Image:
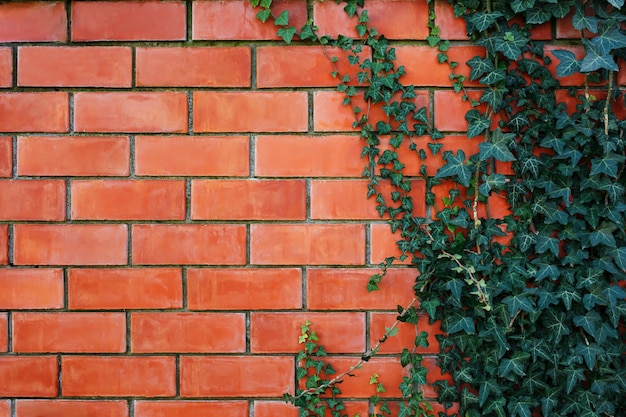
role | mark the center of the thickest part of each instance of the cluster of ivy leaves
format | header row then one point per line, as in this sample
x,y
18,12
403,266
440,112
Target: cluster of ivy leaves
x,y
532,304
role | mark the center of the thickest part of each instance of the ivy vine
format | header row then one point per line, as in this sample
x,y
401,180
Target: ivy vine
x,y
532,304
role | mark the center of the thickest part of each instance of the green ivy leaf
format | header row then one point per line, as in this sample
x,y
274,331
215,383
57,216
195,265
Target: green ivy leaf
x,y
520,6
264,14
595,59
499,151
538,15
430,307
516,365
568,65
582,21
455,165
459,323
519,408
574,376
617,3
609,38
589,353
477,123
479,66
545,243
481,21
287,33
496,407
603,236
607,165
587,321
283,19
493,77
518,302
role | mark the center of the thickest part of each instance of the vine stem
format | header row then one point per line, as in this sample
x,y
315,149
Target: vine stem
x,y
366,357
607,102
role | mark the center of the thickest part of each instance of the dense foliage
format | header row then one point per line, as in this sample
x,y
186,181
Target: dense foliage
x,y
532,303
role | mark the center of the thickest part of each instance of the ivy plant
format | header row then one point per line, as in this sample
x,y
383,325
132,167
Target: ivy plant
x,y
532,303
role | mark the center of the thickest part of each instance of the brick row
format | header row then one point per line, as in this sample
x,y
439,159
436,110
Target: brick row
x,y
191,244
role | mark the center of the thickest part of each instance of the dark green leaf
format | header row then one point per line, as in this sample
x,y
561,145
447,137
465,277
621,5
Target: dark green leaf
x,y
283,19
518,302
589,353
568,65
287,33
595,59
477,123
455,165
516,364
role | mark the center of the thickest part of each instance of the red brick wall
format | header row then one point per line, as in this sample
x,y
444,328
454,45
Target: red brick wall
x,y
179,193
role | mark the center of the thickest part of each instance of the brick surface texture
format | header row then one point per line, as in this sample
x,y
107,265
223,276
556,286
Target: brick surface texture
x,y
179,192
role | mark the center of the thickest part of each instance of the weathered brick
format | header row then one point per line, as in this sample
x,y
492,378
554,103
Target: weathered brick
x,y
307,244
46,66
118,376
34,112
73,156
128,199
124,288
192,156
248,200
69,332
128,21
195,67
33,22
244,289
218,111
130,112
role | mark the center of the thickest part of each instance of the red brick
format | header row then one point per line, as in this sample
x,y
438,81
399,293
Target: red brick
x,y
70,244
46,66
396,19
331,115
308,156
405,339
70,408
4,333
244,289
34,112
279,332
125,288
450,27
275,409
248,200
383,244
130,112
214,244
73,156
236,19
5,408
180,408
349,289
236,376
217,111
31,289
4,244
438,75
302,66
307,244
33,22
341,199
28,376
6,66
450,110
188,332
192,156
6,156
32,200
128,21
128,200
577,78
69,332
118,376
196,67
389,372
